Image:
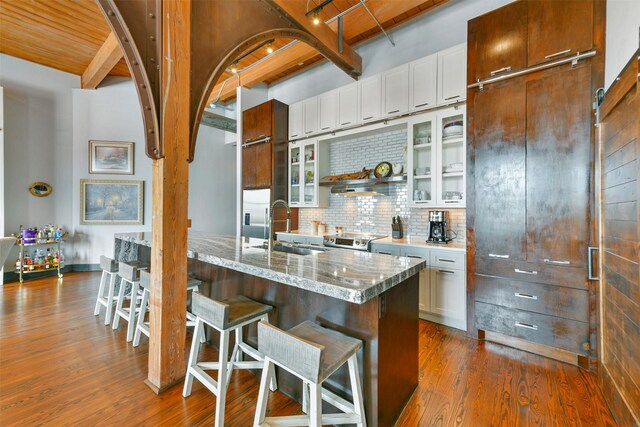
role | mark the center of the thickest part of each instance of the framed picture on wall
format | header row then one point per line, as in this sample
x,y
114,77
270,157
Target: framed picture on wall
x,y
111,202
111,157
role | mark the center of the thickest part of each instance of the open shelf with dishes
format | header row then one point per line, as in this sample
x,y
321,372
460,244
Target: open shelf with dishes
x,y
436,158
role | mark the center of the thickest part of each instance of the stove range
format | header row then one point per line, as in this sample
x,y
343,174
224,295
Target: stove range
x,y
355,241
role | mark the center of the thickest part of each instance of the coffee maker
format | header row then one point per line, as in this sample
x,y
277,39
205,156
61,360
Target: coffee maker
x,y
437,227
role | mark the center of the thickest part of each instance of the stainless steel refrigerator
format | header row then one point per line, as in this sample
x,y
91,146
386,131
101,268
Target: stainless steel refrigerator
x,y
255,213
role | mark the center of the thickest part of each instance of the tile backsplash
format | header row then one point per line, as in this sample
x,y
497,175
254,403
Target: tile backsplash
x,y
374,214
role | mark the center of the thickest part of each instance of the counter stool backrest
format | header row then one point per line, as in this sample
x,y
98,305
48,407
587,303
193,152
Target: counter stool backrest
x,y
145,280
129,271
109,265
213,312
301,356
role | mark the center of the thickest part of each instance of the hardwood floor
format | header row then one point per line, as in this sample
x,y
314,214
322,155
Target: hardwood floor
x,y
60,365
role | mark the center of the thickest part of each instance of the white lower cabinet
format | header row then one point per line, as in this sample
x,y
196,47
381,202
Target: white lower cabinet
x,y
443,294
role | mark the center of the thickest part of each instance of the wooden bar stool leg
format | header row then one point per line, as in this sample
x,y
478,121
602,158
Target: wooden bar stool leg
x,y
116,320
111,290
315,400
96,310
193,357
222,378
141,315
133,305
356,390
263,394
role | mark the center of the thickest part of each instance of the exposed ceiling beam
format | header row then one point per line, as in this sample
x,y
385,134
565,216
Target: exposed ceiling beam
x,y
355,23
107,57
347,59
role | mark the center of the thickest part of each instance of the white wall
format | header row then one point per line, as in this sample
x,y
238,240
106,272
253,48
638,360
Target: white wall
x,y
212,183
38,144
110,113
623,24
444,27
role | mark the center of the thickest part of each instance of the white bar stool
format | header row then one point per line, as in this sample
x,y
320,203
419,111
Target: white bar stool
x,y
129,272
142,326
109,268
225,316
312,353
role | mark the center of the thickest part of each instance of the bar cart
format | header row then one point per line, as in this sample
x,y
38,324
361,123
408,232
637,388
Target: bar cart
x,y
26,265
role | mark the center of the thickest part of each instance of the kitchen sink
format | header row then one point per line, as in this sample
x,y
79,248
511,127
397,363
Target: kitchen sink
x,y
294,249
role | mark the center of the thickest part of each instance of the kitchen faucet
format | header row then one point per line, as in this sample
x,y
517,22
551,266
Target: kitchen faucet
x,y
271,220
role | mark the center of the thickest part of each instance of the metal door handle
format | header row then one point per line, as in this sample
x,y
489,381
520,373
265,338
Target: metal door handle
x,y
421,105
345,123
590,250
445,271
526,325
445,260
498,256
325,128
392,112
367,118
527,296
452,97
309,132
384,253
550,261
414,256
500,70
562,52
517,270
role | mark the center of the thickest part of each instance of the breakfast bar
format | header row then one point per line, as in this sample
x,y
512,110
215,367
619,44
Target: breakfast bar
x,y
367,296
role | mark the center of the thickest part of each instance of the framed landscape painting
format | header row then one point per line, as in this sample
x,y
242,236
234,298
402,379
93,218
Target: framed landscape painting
x,y
110,157
111,202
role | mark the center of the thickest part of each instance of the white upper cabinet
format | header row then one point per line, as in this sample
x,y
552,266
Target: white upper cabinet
x,y
310,115
452,74
423,81
328,106
396,91
296,123
348,104
370,98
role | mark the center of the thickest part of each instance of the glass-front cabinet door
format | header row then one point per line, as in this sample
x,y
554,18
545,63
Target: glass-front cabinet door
x,y
452,165
309,171
422,159
294,174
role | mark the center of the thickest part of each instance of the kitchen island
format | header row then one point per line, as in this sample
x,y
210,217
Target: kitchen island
x,y
367,296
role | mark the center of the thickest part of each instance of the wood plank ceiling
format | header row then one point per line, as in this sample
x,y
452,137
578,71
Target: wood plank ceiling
x,y
68,34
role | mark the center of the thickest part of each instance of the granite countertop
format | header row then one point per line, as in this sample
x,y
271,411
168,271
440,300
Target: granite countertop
x,y
352,276
456,245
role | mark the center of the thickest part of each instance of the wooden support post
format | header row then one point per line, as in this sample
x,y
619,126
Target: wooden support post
x,y
170,197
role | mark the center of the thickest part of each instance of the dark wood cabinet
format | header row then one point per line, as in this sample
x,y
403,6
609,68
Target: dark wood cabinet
x,y
500,158
500,41
559,167
263,164
557,29
530,176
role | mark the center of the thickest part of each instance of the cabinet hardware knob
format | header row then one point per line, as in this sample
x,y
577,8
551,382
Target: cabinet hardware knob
x,y
527,326
562,52
517,270
550,261
498,256
500,70
527,296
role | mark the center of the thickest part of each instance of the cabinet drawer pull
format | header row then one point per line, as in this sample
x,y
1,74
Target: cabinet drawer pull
x,y
367,118
414,256
499,70
392,112
445,260
345,123
422,105
384,253
557,54
452,97
519,295
517,270
325,128
527,326
307,133
550,261
293,136
445,271
498,256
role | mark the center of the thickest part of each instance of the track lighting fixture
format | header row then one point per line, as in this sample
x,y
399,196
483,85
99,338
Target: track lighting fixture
x,y
315,12
315,19
269,48
234,68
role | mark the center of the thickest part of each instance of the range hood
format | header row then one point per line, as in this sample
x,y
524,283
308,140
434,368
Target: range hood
x,y
361,190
